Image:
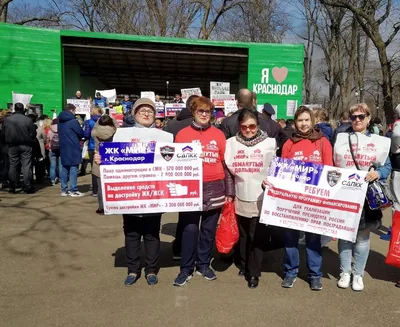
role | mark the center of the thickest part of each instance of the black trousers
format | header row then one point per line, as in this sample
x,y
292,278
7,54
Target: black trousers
x,y
4,163
95,186
148,227
177,243
252,245
20,154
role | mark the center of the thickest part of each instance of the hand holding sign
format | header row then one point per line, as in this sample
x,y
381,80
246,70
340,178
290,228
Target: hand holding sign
x,y
177,189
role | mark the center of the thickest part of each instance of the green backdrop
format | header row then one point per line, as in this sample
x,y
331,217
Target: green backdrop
x,y
31,62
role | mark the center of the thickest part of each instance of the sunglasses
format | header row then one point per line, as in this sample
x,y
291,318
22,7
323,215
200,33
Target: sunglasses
x,y
360,117
202,112
251,127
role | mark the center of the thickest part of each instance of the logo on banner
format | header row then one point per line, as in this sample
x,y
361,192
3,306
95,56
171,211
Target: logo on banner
x,y
353,181
333,177
257,154
212,145
187,149
370,147
167,152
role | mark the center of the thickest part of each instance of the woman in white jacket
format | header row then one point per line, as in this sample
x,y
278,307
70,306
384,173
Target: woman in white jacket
x,y
247,156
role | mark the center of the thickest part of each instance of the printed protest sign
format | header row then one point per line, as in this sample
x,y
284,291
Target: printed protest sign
x,y
151,177
172,108
314,198
219,99
149,95
186,93
111,95
219,88
160,110
82,106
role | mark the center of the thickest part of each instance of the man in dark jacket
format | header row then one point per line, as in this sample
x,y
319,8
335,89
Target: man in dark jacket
x,y
70,134
289,128
184,118
19,134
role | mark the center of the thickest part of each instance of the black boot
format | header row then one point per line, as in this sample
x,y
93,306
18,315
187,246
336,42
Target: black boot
x,y
252,282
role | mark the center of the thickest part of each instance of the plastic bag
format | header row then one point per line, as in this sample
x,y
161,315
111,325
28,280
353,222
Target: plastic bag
x,y
227,231
393,256
85,152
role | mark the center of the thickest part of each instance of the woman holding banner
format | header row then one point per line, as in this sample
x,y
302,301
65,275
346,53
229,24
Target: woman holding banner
x,y
307,144
247,156
359,148
214,193
146,225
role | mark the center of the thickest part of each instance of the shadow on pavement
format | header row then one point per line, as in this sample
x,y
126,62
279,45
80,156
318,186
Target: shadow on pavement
x,y
48,234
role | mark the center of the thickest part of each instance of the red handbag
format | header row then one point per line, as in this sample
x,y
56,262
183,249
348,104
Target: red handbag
x,y
393,256
227,231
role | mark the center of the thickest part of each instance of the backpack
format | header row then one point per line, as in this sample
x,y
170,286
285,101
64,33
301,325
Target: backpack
x,y
54,142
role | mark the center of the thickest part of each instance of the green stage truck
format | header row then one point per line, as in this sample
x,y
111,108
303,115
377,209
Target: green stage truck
x,y
52,64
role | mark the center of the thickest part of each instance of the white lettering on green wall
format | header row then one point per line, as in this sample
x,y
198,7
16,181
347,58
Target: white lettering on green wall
x,y
280,89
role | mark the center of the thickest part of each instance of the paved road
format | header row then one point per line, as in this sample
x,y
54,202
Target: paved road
x,y
62,265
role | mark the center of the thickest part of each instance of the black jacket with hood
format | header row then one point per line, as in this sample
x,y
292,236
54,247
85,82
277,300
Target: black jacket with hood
x,y
184,119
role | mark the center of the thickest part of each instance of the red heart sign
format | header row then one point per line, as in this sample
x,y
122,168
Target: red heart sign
x,y
279,74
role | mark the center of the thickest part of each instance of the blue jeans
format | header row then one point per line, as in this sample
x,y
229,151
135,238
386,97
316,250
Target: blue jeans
x,y
55,160
313,251
359,249
72,173
192,241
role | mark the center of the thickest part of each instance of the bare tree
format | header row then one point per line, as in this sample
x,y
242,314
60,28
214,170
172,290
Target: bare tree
x,y
22,13
366,12
255,21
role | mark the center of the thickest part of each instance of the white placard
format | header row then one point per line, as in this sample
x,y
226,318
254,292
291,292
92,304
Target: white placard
x,y
186,93
291,106
21,98
136,134
230,106
111,95
149,95
219,88
83,107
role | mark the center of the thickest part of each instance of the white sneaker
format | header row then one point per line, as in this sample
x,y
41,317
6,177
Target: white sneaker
x,y
344,281
76,194
358,284
65,193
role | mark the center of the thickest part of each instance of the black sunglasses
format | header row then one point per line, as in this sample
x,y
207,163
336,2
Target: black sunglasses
x,y
360,117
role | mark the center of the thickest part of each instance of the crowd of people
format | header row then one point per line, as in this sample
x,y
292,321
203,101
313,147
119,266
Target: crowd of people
x,y
309,137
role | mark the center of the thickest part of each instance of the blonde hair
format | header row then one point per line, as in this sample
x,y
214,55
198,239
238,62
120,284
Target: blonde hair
x,y
96,111
47,123
363,107
321,115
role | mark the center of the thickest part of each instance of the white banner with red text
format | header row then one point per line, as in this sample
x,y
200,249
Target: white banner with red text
x,y
139,178
314,198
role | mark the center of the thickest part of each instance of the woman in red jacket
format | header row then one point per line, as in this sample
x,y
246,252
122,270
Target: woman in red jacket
x,y
307,144
214,193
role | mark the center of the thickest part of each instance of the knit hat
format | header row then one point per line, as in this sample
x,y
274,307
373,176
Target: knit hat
x,y
143,101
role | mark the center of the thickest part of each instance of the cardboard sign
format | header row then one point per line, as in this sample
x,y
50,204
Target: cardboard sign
x,y
230,106
219,99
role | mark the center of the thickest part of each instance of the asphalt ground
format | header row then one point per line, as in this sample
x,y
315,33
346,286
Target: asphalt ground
x,y
61,264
